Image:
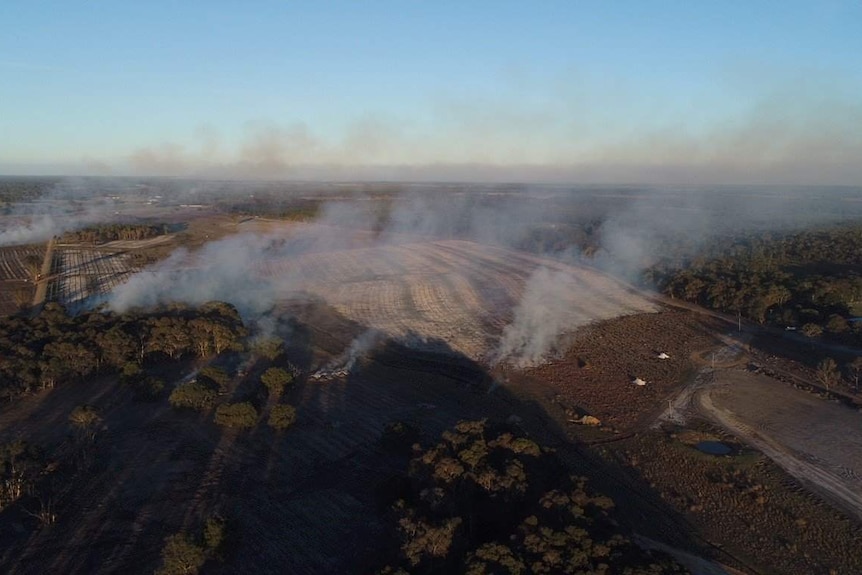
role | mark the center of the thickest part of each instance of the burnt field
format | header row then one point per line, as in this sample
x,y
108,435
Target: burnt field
x,y
18,268
80,273
458,292
305,500
389,325
313,498
596,374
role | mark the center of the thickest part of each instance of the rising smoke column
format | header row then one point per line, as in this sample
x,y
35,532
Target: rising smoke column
x,y
542,316
223,270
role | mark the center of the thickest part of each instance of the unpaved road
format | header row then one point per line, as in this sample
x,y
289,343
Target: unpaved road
x,y
818,442
42,284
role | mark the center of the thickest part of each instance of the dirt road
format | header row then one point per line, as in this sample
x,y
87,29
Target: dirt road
x,y
816,441
42,283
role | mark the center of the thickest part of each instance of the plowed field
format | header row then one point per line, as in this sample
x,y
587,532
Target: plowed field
x,y
458,292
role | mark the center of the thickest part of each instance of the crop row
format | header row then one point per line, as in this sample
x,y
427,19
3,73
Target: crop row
x,y
459,292
20,262
82,274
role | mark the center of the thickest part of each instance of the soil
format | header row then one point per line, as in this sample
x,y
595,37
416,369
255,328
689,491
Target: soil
x,y
596,374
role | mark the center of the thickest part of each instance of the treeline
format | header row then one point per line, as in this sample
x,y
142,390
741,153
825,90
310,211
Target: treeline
x,y
273,207
13,190
808,279
55,347
485,500
112,232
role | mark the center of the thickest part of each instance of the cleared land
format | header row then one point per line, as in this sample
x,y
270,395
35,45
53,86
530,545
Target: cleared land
x,y
14,262
84,273
18,266
817,441
455,292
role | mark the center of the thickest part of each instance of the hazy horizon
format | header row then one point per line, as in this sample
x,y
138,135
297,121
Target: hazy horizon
x,y
494,92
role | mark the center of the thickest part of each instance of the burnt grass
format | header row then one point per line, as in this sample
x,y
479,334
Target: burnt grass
x,y
315,498
743,501
312,498
595,374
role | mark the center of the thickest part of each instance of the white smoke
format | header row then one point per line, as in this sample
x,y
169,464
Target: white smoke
x,y
542,316
631,230
68,205
29,230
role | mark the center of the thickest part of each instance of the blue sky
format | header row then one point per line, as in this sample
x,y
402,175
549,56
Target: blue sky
x,y
759,91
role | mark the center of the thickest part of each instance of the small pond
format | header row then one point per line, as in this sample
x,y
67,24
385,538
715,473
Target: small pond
x,y
713,447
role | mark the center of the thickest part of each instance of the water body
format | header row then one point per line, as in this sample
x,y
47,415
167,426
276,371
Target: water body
x,y
713,448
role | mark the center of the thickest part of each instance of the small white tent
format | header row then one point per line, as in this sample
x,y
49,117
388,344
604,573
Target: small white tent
x,y
639,381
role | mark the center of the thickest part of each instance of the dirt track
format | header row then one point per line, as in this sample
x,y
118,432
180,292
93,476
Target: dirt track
x,y
42,285
817,441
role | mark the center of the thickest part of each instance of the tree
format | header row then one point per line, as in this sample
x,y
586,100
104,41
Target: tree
x,y
270,347
282,416
240,415
214,533
837,324
275,378
85,419
193,395
216,376
181,556
827,372
812,330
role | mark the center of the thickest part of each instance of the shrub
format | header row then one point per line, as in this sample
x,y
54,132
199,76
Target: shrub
x,y
181,556
275,378
214,533
215,375
242,415
193,395
84,417
282,416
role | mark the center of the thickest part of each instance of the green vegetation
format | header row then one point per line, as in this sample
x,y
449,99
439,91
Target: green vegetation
x,y
282,416
240,415
485,501
55,347
275,379
181,556
111,232
215,377
85,420
274,206
185,554
195,395
270,348
811,279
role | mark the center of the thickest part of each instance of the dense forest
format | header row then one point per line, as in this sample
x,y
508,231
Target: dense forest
x,y
293,209
55,348
19,189
111,232
811,280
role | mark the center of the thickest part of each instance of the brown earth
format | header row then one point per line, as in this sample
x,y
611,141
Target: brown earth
x,y
596,373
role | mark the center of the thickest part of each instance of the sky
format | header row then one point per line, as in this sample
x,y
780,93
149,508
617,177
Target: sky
x,y
694,92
